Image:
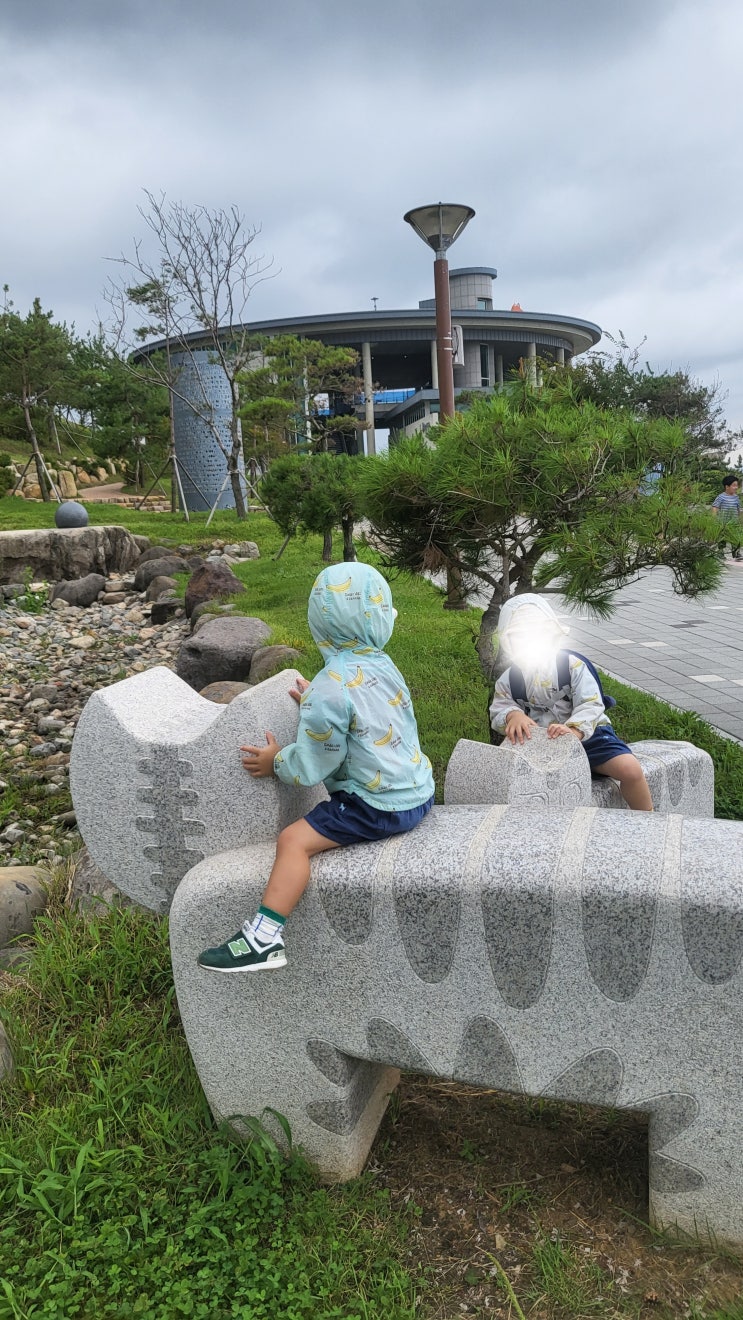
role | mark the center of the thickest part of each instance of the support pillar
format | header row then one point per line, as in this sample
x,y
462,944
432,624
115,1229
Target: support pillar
x,y
561,357
531,362
499,370
434,366
366,361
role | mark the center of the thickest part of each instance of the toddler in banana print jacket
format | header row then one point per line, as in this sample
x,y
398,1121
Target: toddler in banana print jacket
x,y
357,734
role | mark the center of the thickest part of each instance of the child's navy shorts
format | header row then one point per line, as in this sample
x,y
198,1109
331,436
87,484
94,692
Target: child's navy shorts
x,y
347,819
603,745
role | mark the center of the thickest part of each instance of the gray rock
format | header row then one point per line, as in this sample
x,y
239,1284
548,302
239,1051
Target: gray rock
x,y
159,586
22,897
56,554
210,608
209,583
158,568
243,550
268,660
222,650
223,693
158,552
91,889
82,591
165,608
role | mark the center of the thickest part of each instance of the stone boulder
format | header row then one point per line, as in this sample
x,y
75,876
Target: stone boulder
x,y
209,583
222,651
242,550
165,608
158,568
158,552
82,591
67,487
56,554
159,586
91,889
210,609
223,693
269,660
22,897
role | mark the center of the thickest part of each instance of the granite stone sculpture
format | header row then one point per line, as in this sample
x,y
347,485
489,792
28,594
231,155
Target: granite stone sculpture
x,y
579,952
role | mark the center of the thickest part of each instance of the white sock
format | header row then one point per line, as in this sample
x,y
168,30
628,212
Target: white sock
x,y
264,930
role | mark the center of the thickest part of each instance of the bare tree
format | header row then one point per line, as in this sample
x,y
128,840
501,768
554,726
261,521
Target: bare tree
x,y
198,288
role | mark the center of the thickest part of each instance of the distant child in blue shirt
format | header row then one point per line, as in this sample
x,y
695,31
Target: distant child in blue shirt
x,y
727,508
530,634
357,734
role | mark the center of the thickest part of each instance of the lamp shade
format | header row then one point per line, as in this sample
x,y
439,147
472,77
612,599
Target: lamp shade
x,y
439,225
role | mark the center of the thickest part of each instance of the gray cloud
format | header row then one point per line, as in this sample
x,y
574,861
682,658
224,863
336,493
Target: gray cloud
x,y
597,144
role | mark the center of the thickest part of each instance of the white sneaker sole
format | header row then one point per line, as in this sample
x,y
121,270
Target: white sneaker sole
x,y
274,966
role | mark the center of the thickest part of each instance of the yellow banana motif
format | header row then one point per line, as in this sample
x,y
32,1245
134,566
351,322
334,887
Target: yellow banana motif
x,y
377,600
395,701
382,742
319,737
358,680
352,725
342,586
338,678
363,650
327,644
376,781
348,646
304,697
416,759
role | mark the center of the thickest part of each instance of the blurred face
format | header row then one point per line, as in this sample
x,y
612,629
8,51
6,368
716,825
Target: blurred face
x,y
732,489
532,641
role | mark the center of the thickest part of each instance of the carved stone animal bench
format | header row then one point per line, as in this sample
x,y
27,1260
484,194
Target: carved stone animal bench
x,y
588,954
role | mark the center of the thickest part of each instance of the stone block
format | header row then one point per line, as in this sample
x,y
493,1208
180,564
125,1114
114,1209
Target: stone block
x,y
54,554
545,772
82,591
154,568
594,956
157,780
209,583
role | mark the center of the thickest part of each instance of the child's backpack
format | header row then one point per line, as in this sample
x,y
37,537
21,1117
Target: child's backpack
x,y
518,686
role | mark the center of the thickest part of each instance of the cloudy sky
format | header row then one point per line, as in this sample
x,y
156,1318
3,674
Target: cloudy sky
x,y
600,145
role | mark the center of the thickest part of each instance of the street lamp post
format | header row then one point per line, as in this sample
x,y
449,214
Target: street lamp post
x,y
439,226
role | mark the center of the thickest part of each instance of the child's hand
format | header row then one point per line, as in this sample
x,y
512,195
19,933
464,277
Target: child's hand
x,y
557,730
259,760
301,687
518,726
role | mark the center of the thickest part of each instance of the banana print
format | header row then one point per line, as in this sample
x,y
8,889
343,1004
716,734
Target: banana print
x,y
358,680
375,782
417,758
338,677
319,737
342,586
377,600
386,738
395,701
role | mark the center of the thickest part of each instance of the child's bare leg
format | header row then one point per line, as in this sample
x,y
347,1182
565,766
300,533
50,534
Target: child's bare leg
x,y
632,783
295,846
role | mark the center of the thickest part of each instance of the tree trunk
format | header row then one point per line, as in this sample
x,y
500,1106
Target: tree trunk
x,y
327,547
349,551
283,546
486,652
38,460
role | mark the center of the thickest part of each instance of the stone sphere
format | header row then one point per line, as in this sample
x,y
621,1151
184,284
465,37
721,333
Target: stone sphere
x,y
71,514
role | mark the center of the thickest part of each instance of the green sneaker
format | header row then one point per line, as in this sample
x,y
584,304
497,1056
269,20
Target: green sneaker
x,y
238,956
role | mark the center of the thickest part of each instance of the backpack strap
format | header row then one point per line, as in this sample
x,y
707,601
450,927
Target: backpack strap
x,y
564,656
517,684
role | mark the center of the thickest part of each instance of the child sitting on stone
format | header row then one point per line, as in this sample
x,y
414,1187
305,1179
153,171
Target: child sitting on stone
x,y
529,635
357,734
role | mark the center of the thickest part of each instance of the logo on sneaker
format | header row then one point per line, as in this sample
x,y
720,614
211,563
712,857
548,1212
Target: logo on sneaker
x,y
238,948
271,957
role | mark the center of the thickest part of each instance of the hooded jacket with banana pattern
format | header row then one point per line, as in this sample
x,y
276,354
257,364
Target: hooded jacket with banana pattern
x,y
357,731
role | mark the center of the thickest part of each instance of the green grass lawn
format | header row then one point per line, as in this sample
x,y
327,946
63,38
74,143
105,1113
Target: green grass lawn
x,y
118,1196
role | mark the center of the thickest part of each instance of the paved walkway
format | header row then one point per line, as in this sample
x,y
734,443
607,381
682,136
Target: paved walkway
x,y
688,653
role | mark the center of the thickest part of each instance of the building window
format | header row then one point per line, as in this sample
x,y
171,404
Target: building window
x,y
485,304
484,365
